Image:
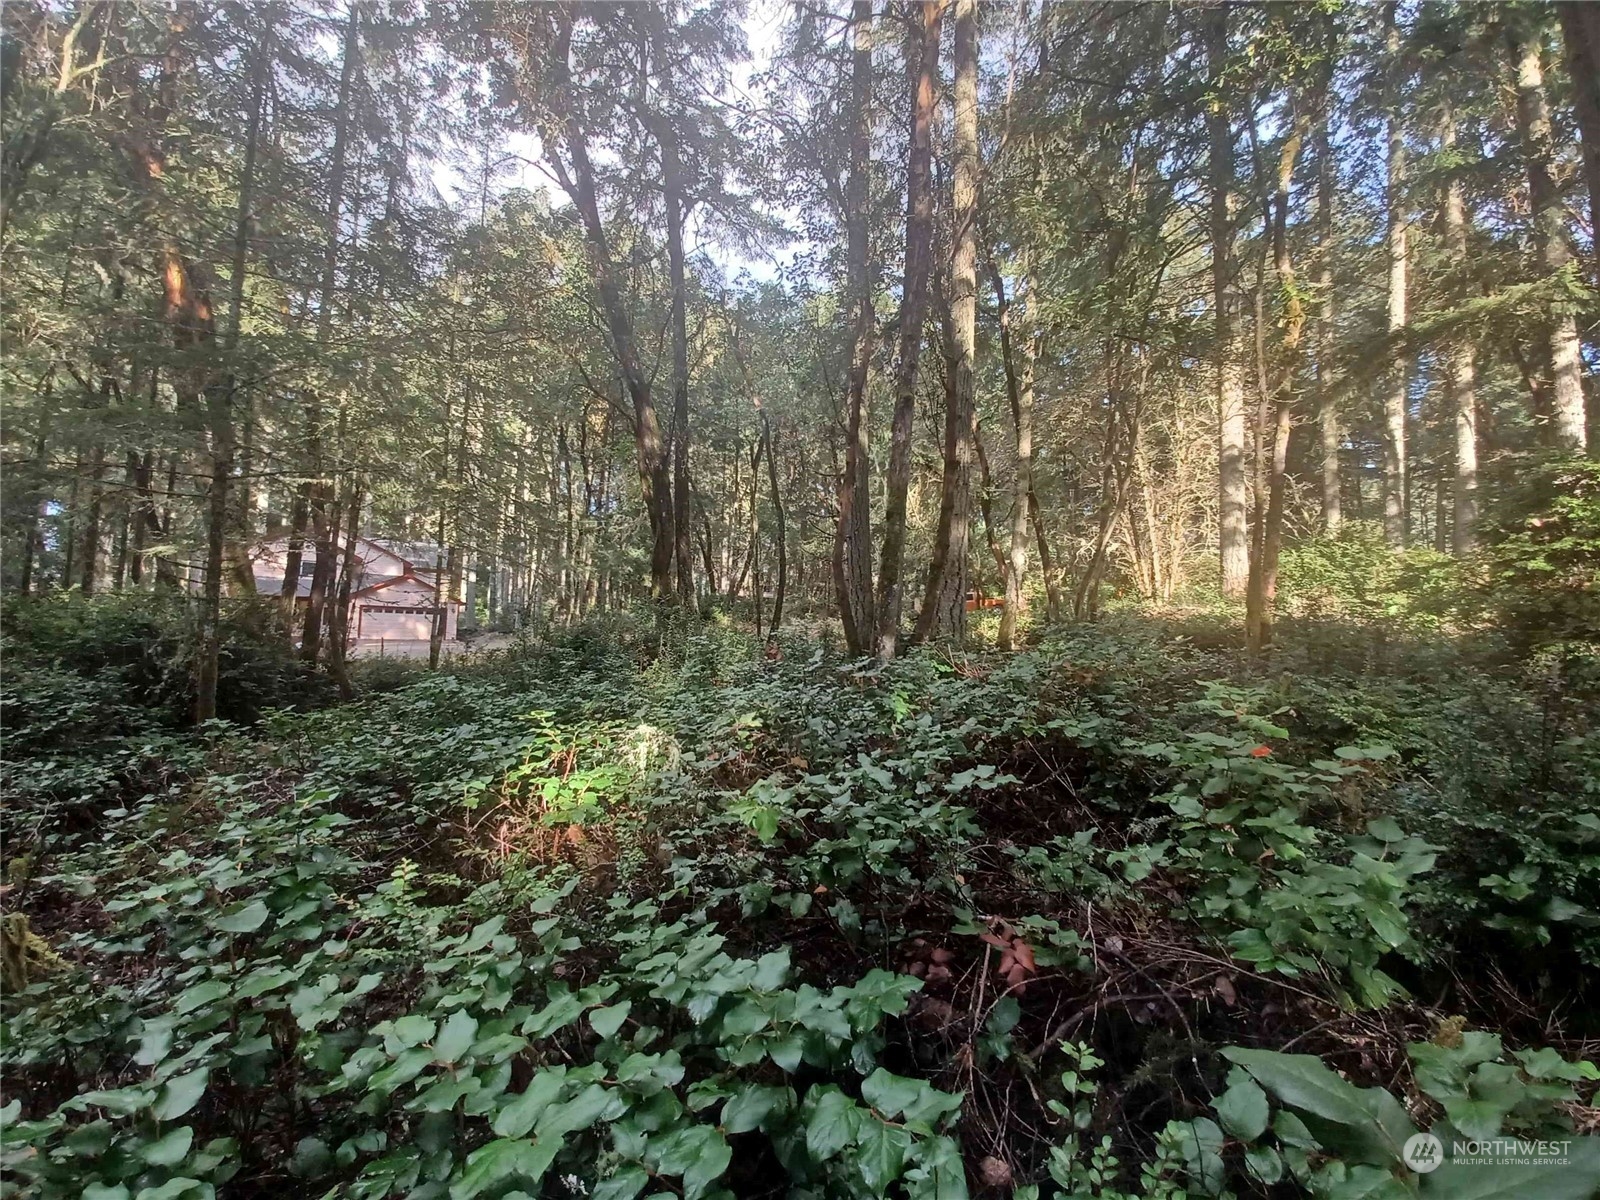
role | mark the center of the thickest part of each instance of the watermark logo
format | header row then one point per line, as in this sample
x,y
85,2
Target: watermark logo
x,y
1423,1152
1507,1151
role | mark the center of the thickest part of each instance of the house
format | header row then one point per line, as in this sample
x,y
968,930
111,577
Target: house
x,y
393,595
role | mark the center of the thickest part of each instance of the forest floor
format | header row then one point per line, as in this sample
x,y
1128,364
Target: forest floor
x,y
1128,913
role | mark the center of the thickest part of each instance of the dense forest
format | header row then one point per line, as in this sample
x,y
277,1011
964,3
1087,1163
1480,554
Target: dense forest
x,y
806,598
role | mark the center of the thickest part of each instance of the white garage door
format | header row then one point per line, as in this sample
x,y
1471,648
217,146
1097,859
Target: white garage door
x,y
397,623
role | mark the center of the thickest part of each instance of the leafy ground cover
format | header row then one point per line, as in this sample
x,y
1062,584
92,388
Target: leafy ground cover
x,y
1126,914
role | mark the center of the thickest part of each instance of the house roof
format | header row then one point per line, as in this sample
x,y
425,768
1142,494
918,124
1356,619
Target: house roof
x,y
406,578
418,556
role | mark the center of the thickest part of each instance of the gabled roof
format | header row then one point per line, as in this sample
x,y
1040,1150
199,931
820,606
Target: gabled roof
x,y
408,577
367,549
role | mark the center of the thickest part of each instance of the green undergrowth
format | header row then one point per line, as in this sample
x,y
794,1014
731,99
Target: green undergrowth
x,y
1122,915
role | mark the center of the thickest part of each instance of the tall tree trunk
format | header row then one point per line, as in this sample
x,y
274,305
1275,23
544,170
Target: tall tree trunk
x,y
323,501
137,472
1460,389
1085,597
1580,31
985,491
672,185
1568,428
219,399
237,513
90,561
781,533
651,449
852,544
441,609
325,511
1159,588
1327,401
35,502
913,306
1047,566
339,626
944,610
294,557
706,557
756,452
1396,398
208,657
1264,575
191,319
1233,535
1019,389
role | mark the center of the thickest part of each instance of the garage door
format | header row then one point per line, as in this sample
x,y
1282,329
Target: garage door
x,y
397,623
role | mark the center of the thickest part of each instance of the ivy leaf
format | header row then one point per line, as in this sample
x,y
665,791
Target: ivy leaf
x,y
119,1102
606,1021
155,1041
413,1030
1385,830
404,1069
917,1100
890,1094
941,1175
1302,1081
499,1160
456,1038
558,1014
1264,1163
516,1118
200,994
1388,923
787,1052
178,1096
1200,1142
881,1154
833,1124
170,1149
1478,1118
698,1153
772,970
1363,1125
173,1189
583,1110
1242,1109
747,1108
1362,1182
247,919
624,1185
745,1018
259,983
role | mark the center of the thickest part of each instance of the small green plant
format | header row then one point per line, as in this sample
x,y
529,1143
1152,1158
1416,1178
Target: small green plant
x,y
1338,1140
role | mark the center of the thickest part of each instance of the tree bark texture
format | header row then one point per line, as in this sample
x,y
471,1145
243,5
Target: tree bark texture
x,y
1396,397
944,612
1568,428
852,547
913,308
1233,534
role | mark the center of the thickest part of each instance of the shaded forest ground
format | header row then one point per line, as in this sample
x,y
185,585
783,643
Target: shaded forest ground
x,y
525,923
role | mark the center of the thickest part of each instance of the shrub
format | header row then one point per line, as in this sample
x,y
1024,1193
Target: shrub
x,y
139,646
1355,573
1542,553
375,676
